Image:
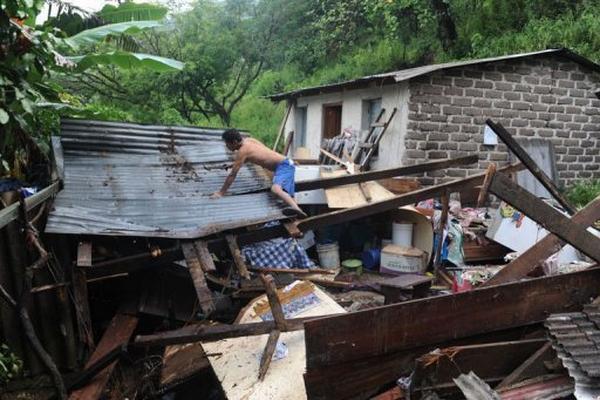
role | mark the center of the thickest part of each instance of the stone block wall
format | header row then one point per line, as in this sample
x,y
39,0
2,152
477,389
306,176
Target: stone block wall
x,y
540,97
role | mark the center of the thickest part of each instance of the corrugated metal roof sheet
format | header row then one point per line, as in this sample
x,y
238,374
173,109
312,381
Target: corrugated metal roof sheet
x,y
406,74
576,339
126,179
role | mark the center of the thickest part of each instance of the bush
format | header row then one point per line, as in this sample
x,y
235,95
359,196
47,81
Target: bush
x,y
10,365
583,192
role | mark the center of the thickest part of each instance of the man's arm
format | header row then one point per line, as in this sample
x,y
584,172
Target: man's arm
x,y
239,161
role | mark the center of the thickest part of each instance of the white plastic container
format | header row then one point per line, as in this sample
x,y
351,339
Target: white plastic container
x,y
329,255
402,233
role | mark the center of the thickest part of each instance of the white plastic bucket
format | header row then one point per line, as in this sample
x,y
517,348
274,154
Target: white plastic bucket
x,y
402,233
329,255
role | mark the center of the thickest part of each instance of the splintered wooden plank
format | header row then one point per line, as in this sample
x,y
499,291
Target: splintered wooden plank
x,y
389,329
545,215
206,260
234,249
550,244
265,359
522,155
118,333
202,290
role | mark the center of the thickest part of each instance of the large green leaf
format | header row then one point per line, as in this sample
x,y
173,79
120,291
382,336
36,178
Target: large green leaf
x,y
95,35
127,60
131,11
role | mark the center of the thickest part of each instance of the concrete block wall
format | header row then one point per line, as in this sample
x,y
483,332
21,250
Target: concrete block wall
x,y
544,97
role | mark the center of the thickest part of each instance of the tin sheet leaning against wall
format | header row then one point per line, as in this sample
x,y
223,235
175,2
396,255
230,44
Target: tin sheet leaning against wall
x,y
126,179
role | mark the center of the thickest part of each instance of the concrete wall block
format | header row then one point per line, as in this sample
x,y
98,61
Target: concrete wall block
x,y
539,107
527,114
453,91
502,104
562,134
449,128
581,118
470,129
437,136
521,105
439,118
492,76
512,96
460,137
473,92
545,133
428,126
428,145
575,151
578,135
582,102
413,153
451,110
497,156
563,83
526,132
483,103
493,94
461,101
463,82
437,155
556,109
519,123
479,84
504,86
449,146
564,117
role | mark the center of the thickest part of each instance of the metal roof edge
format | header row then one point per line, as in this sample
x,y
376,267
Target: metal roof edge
x,y
405,74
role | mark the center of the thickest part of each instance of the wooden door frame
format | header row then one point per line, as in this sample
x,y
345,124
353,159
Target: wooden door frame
x,y
323,107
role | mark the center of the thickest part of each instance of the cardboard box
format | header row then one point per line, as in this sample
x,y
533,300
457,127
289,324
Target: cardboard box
x,y
399,260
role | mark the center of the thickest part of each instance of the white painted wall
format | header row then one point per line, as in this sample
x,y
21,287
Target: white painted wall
x,y
391,148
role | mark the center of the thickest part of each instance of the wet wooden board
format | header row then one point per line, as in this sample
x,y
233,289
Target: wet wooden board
x,y
118,332
394,328
237,368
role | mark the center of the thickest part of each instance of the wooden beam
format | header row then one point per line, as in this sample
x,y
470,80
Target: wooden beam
x,y
297,271
10,213
267,355
336,217
274,303
545,215
325,183
483,192
206,260
532,363
234,249
445,200
197,333
536,171
288,143
195,267
388,329
282,125
118,333
550,244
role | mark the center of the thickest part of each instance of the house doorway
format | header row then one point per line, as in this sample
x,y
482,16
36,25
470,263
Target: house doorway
x,y
332,120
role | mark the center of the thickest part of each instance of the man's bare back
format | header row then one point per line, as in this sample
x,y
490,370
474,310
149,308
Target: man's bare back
x,y
257,153
251,150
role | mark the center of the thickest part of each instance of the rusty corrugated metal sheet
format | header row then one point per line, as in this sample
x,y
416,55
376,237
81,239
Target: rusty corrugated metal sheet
x,y
126,179
409,73
576,339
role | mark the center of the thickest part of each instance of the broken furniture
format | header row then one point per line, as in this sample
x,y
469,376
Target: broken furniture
x,y
393,288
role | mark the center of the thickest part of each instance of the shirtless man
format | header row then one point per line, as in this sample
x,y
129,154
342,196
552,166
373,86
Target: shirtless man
x,y
253,151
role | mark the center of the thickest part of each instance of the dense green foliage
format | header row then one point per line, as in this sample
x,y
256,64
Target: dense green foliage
x,y
31,64
583,192
238,51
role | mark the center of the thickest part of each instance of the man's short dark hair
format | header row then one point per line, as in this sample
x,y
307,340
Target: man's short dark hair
x,y
232,136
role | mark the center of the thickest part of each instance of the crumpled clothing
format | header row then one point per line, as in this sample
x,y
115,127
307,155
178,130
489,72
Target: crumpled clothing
x,y
277,253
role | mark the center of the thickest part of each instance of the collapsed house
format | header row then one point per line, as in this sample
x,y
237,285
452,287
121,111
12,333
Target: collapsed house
x,y
136,269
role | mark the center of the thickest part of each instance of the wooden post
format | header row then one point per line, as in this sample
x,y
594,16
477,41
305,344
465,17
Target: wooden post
x,y
530,164
288,143
237,256
202,291
282,126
